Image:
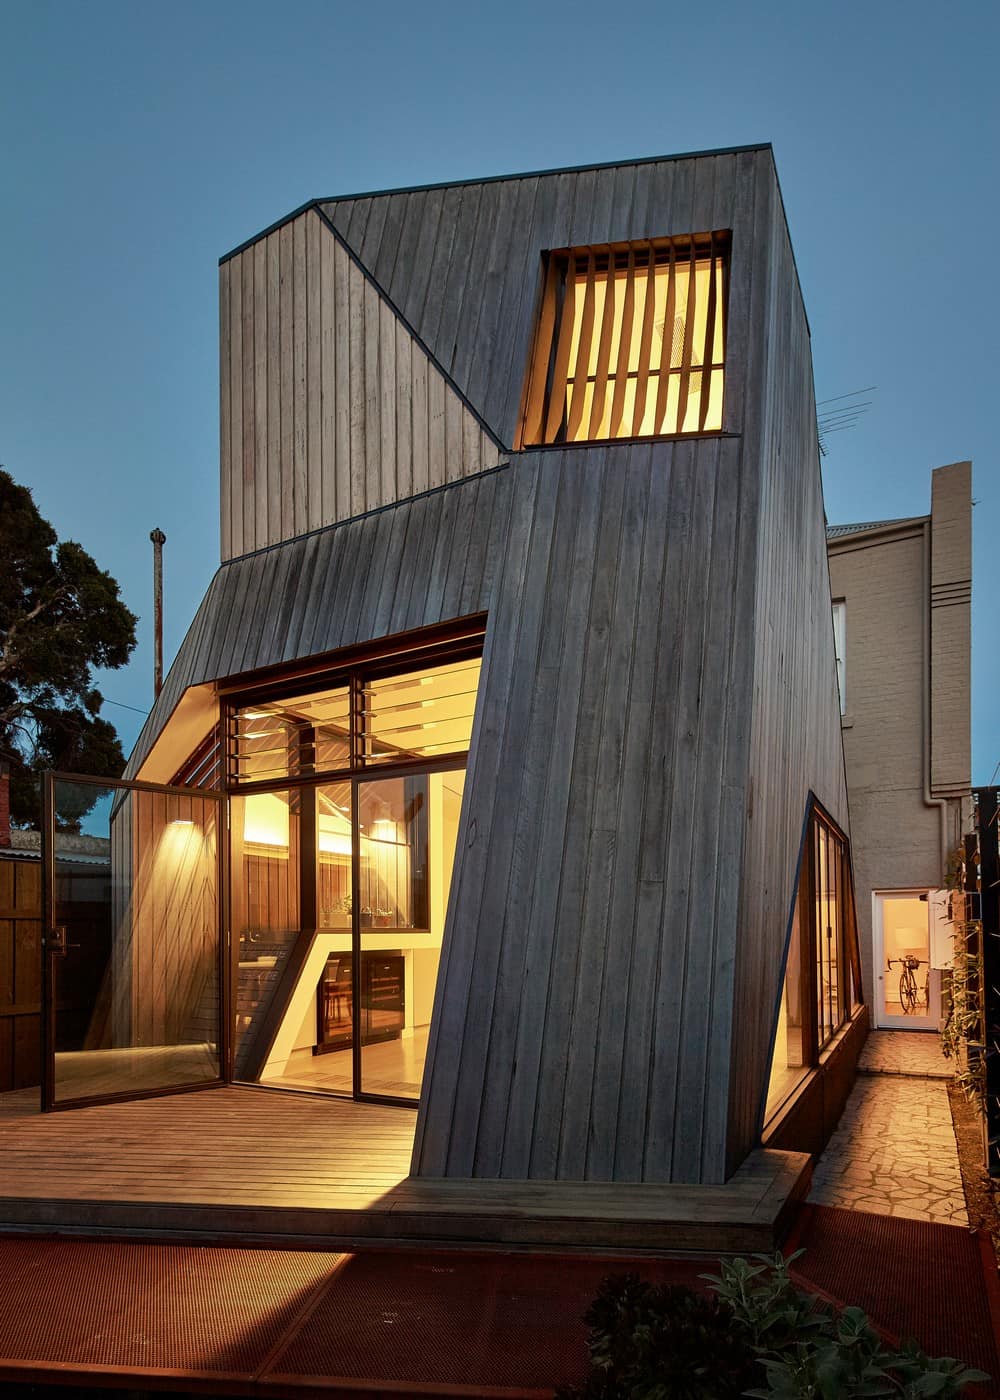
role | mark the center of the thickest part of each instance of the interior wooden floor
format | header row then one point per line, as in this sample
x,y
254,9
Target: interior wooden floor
x,y
251,1164
393,1068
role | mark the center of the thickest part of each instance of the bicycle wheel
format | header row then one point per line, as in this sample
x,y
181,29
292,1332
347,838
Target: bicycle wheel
x,y
908,993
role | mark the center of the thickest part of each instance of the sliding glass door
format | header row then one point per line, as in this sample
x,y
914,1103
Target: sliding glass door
x,y
340,878
407,829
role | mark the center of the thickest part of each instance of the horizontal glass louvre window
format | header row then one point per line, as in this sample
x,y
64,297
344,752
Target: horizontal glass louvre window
x,y
287,737
630,342
424,713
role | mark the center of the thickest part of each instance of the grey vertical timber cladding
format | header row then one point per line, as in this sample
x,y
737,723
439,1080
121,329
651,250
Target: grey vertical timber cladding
x,y
392,571
658,694
609,641
795,740
462,264
329,407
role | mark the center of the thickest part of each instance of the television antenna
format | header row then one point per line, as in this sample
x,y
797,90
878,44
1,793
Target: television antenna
x,y
849,408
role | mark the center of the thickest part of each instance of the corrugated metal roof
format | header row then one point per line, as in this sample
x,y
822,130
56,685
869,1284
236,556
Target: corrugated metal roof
x,y
836,532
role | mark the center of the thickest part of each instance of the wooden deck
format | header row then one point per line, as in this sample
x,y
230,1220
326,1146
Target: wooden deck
x,y
245,1164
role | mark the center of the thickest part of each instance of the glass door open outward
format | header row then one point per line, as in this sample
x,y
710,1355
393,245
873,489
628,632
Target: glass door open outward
x,y
132,977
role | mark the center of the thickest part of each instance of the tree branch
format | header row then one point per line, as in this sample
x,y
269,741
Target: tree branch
x,y
8,654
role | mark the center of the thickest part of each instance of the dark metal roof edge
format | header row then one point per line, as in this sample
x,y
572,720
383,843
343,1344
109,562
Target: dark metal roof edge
x,y
490,180
271,228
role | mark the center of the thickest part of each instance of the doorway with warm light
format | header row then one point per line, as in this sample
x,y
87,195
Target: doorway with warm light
x,y
344,802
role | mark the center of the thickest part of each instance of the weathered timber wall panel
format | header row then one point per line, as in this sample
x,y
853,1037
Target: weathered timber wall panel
x,y
795,741
582,952
20,972
329,408
427,560
463,264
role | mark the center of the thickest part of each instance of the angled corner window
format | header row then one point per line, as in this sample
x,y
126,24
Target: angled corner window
x,y
840,646
822,982
630,342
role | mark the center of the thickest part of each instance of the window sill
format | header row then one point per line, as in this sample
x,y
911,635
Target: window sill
x,y
624,441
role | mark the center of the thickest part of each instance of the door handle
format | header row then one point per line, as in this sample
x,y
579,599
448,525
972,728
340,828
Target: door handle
x,y
56,941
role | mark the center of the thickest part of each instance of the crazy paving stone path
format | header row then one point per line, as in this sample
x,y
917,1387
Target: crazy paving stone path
x,y
893,1152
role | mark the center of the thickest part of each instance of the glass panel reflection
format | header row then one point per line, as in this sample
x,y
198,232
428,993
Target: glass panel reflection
x,y
266,859
421,714
408,828
790,1059
294,735
136,891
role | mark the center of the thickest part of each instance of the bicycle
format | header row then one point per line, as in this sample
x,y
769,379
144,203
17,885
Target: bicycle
x,y
908,990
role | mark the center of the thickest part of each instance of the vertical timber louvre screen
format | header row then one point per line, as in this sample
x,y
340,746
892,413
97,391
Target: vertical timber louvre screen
x,y
630,342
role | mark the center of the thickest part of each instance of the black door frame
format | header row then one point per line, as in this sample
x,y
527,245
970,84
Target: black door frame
x,y
309,865
52,944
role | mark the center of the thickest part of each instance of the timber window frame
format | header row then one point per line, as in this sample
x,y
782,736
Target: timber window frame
x,y
840,649
366,700
821,973
350,689
597,371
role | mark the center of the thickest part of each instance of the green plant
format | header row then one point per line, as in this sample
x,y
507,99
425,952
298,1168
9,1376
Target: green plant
x,y
808,1351
61,619
963,1027
756,1334
650,1342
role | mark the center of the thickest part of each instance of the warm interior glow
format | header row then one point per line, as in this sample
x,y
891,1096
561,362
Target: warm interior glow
x,y
265,820
905,933
382,872
630,342
665,353
421,713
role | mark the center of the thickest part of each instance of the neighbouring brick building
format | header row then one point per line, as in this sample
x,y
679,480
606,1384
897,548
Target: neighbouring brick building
x,y
902,611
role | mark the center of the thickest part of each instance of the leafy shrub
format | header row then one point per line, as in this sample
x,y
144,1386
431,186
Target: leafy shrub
x,y
648,1342
756,1335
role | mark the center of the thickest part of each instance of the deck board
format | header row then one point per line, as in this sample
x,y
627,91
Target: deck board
x,y
247,1163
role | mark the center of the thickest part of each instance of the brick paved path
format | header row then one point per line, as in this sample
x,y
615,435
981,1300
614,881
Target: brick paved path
x,y
893,1152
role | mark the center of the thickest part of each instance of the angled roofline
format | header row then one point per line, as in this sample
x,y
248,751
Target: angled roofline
x,y
490,180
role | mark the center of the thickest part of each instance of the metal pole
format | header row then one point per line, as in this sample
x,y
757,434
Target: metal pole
x,y
159,540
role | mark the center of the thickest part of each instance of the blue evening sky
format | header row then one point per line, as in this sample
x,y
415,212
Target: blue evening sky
x,y
140,142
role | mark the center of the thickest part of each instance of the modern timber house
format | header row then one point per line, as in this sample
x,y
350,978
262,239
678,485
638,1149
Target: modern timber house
x,y
502,762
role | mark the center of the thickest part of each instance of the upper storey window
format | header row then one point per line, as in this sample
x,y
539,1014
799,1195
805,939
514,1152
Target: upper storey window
x,y
630,342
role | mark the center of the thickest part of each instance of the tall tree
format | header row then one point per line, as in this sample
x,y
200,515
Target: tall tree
x,y
60,616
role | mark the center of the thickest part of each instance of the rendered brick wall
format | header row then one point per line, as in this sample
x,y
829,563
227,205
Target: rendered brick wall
x,y
881,574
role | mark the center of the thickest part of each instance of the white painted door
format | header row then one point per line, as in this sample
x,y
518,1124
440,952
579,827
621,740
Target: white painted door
x,y
907,991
